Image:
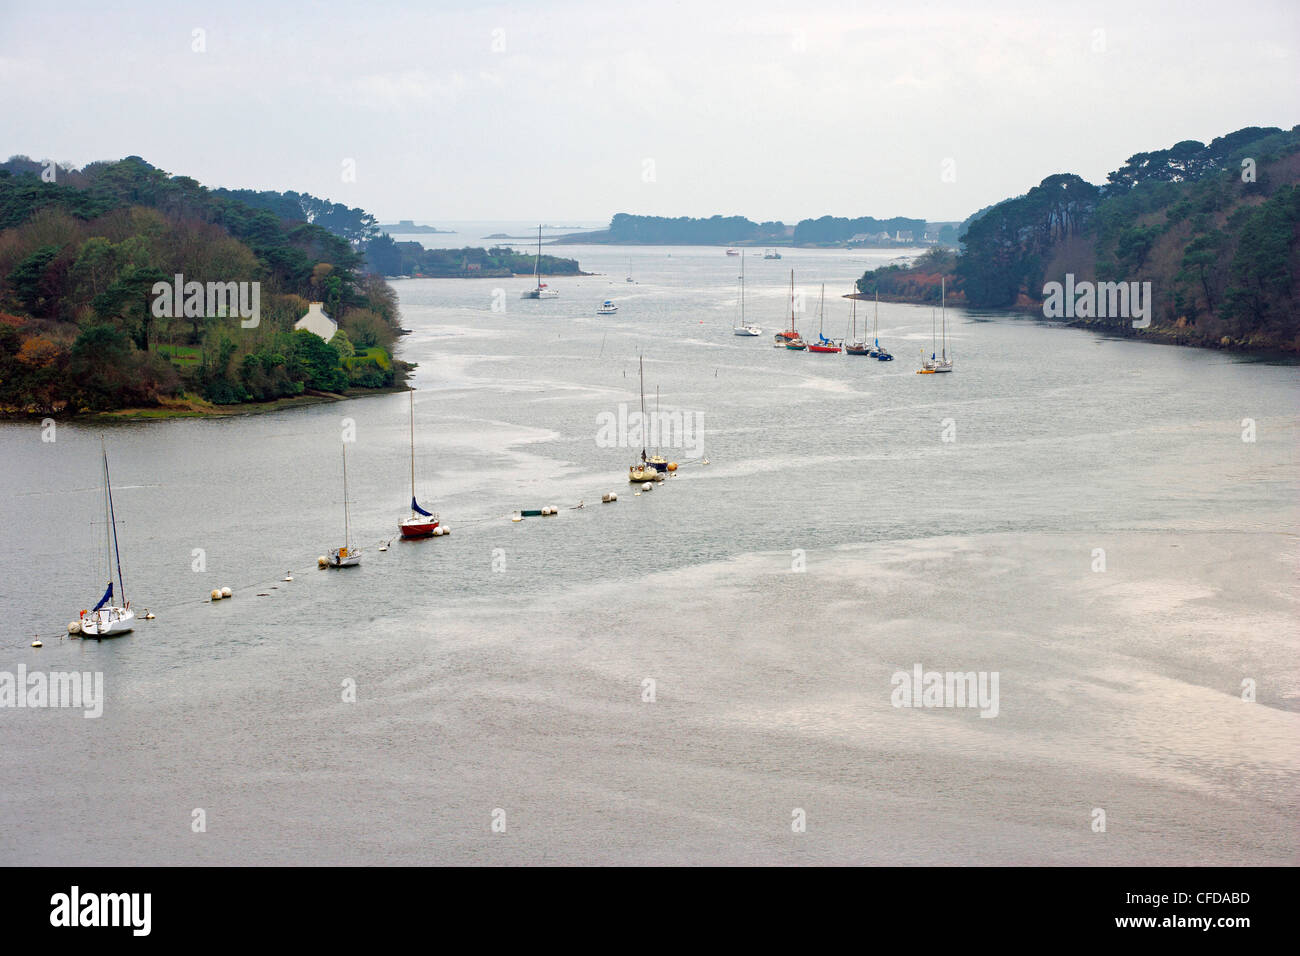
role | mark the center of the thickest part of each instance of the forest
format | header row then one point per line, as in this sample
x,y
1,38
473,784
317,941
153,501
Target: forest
x,y
1215,228
82,249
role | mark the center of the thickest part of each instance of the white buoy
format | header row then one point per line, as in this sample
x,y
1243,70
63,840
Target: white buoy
x,y
437,532
288,576
216,595
446,530
647,486
704,462
149,615
322,562
74,627
37,643
226,592
516,517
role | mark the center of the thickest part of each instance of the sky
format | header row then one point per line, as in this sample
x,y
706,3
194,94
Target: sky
x,y
572,111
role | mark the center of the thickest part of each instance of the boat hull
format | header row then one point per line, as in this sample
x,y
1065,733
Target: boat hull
x,y
108,622
747,330
417,528
824,349
338,559
858,351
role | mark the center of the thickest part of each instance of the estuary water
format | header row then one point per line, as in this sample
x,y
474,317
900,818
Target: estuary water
x,y
700,673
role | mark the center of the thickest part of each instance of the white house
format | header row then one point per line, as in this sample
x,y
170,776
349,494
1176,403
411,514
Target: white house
x,y
317,321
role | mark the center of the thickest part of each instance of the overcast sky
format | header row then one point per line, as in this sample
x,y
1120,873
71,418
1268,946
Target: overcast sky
x,y
576,110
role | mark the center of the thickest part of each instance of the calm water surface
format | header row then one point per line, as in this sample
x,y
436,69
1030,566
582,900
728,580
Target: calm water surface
x,y
504,667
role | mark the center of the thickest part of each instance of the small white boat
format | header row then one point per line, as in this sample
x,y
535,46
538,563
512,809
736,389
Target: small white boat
x,y
346,556
107,619
607,308
741,328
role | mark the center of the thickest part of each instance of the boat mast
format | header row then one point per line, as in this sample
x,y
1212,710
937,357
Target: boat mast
x,y
412,450
821,313
641,360
943,306
742,289
537,263
346,528
875,328
657,455
791,300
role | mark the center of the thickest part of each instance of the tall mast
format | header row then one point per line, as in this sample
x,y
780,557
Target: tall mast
x,y
537,263
346,528
875,328
656,421
821,312
791,300
641,361
943,305
412,448
742,288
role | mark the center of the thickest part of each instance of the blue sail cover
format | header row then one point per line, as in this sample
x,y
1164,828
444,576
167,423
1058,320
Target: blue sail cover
x,y
824,339
418,510
108,596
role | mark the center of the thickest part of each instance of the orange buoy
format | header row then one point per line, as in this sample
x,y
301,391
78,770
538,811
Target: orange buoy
x,y
672,466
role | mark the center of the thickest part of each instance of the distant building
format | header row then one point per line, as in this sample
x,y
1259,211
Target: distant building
x,y
317,321
901,236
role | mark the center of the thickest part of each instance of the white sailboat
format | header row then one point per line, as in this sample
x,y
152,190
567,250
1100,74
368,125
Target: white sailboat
x,y
346,556
938,363
742,328
629,271
108,618
541,291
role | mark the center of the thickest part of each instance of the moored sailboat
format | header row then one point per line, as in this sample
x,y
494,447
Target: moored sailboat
x,y
346,556
743,328
421,523
855,346
649,468
789,337
541,291
935,365
823,344
107,618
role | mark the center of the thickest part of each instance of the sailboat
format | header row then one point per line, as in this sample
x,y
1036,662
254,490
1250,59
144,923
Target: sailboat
x,y
629,271
855,346
346,556
742,328
541,292
823,344
789,337
421,523
878,351
649,468
108,619
934,365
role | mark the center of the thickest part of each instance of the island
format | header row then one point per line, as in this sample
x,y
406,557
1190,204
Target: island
x,y
825,232
407,227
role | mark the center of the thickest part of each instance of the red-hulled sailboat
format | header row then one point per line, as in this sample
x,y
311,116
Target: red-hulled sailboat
x,y
421,523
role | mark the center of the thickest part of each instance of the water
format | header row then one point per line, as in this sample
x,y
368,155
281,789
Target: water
x,y
521,689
